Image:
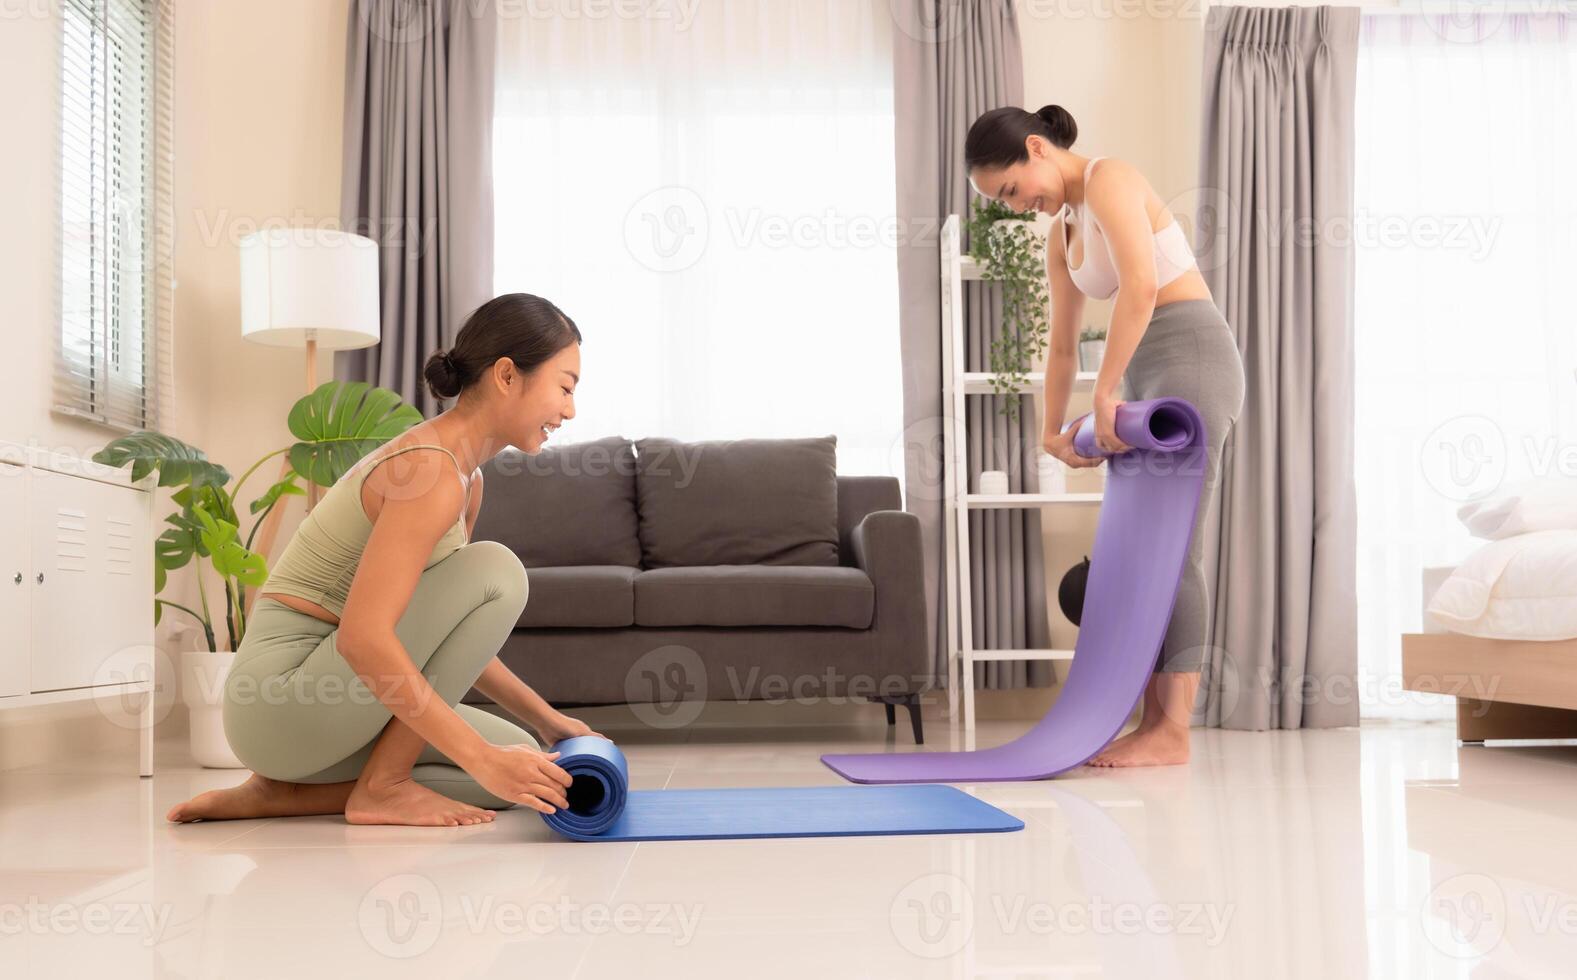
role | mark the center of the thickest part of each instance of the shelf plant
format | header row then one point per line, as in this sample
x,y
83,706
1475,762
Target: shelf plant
x,y
334,426
1011,252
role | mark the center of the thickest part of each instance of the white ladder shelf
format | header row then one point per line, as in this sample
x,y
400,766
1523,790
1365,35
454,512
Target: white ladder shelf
x,y
956,269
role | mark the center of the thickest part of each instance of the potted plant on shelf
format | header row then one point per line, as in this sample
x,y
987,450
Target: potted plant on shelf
x,y
1012,251
334,426
1092,348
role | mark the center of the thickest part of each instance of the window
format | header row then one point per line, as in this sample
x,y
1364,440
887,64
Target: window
x,y
1465,211
713,202
114,361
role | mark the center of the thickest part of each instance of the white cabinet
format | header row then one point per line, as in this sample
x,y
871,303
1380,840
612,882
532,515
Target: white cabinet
x,y
92,581
14,586
76,585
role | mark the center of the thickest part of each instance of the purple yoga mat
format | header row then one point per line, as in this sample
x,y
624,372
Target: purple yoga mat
x,y
1141,544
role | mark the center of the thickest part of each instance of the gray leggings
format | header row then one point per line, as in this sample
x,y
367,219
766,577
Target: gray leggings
x,y
295,710
1188,351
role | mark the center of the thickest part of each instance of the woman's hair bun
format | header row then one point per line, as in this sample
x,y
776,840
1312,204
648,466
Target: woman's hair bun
x,y
1060,121
442,375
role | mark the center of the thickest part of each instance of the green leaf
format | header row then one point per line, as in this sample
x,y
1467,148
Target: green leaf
x,y
178,463
229,556
283,487
341,422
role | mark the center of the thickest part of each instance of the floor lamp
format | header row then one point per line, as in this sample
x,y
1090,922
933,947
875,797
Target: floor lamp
x,y
312,288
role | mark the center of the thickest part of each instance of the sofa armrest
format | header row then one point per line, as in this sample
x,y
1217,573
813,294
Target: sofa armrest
x,y
887,547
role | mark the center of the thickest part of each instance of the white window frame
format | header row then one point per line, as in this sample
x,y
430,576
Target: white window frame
x,y
114,351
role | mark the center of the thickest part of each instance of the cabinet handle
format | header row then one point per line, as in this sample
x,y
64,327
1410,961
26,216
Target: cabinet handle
x,y
40,578
18,578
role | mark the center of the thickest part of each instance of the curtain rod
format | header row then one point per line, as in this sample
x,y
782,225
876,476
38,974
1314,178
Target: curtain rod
x,y
1461,7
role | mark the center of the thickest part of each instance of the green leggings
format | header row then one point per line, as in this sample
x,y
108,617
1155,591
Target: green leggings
x,y
294,709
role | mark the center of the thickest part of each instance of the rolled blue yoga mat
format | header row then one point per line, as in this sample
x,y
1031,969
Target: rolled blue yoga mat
x,y
602,807
1141,545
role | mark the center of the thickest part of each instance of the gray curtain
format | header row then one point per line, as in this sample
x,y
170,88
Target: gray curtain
x,y
1276,161
952,62
418,176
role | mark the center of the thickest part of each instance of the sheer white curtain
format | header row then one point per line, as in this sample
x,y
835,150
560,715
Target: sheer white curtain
x,y
1466,334
712,201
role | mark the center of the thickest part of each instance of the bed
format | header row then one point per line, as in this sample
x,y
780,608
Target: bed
x,y
1504,688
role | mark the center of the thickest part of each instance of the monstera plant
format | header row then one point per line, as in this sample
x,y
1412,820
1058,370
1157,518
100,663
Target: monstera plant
x,y
334,426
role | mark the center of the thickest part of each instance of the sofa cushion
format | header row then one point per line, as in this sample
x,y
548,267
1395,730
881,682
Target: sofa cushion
x,y
738,502
570,505
755,595
580,595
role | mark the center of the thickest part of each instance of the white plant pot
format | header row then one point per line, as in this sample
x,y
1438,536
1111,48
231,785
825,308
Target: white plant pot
x,y
993,481
1091,353
202,688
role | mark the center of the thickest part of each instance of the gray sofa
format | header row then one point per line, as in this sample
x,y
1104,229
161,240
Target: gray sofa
x,y
665,574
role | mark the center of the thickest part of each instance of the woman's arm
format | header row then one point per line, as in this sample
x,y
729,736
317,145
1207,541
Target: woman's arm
x,y
1117,200
407,528
502,685
1067,311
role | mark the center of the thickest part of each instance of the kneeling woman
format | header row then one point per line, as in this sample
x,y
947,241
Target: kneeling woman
x,y
381,613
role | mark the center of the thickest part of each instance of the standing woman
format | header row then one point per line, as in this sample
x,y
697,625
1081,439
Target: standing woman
x,y
382,612
1113,236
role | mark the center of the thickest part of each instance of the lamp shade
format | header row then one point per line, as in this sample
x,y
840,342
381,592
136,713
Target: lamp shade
x,y
296,281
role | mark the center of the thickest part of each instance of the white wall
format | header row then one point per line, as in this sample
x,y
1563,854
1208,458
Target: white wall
x,y
257,129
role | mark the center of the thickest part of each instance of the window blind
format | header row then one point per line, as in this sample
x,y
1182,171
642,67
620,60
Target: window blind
x,y
115,356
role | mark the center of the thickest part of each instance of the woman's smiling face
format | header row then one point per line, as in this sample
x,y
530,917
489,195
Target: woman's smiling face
x,y
545,401
1033,184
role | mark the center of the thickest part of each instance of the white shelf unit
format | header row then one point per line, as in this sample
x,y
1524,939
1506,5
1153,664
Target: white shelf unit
x,y
957,269
76,584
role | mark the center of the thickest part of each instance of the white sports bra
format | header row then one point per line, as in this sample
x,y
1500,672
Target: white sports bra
x,y
1097,276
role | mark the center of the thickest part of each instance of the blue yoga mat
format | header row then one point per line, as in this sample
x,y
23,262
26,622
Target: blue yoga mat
x,y
603,807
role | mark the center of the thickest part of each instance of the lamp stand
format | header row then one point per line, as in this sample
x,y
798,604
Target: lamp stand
x,y
270,529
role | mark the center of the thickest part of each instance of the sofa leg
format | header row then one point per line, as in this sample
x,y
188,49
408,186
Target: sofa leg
x,y
910,701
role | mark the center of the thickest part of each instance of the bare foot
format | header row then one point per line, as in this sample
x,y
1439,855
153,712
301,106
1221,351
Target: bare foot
x,y
259,796
408,803
1159,746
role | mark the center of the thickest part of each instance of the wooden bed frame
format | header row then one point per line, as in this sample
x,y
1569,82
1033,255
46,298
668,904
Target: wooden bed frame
x,y
1504,688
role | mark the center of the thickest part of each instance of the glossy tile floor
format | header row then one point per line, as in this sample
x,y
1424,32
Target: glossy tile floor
x,y
1378,852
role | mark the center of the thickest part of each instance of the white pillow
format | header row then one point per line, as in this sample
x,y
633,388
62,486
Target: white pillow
x,y
1535,505
1521,588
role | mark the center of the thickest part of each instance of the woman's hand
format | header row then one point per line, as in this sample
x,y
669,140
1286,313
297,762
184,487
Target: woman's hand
x,y
1106,425
1060,445
521,774
558,726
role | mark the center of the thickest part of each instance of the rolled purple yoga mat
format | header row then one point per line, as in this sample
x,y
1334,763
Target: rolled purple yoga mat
x,y
1141,545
